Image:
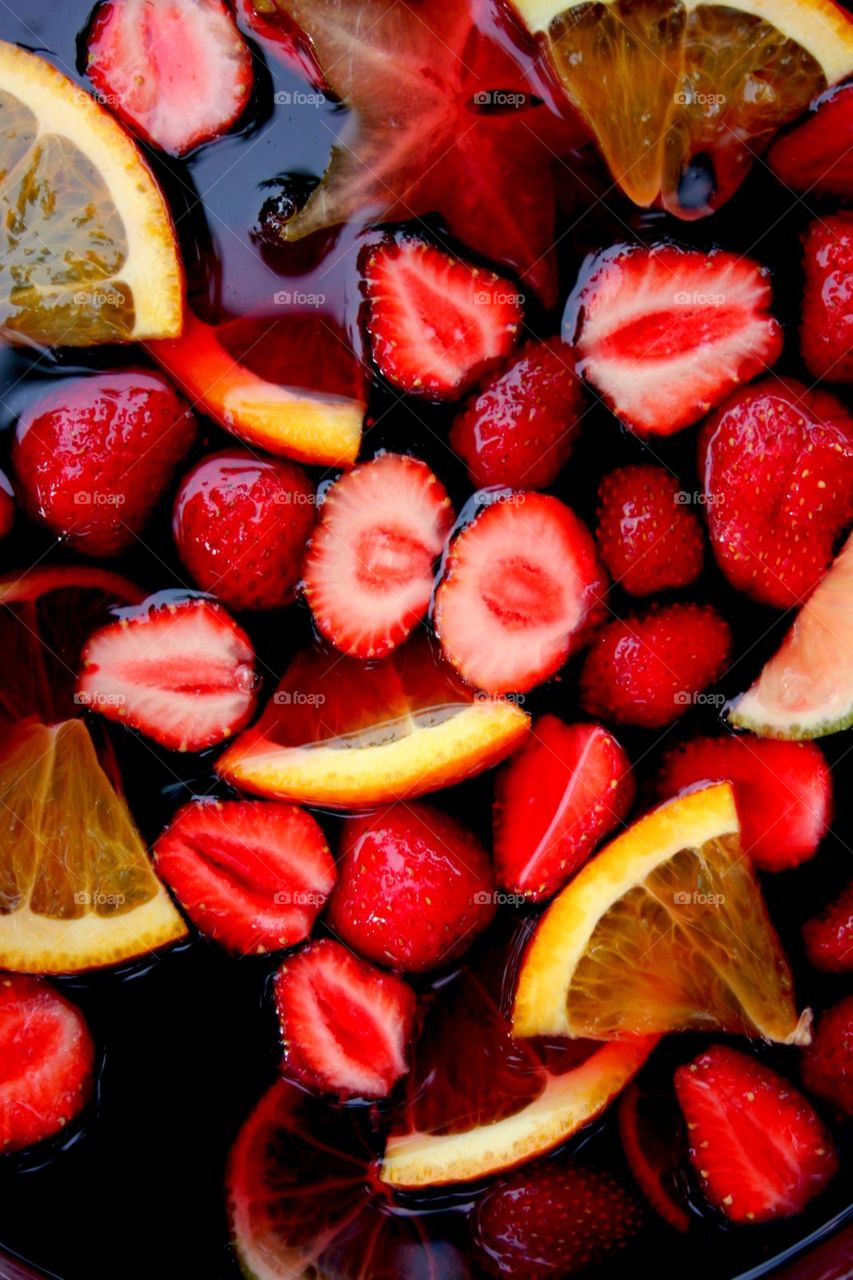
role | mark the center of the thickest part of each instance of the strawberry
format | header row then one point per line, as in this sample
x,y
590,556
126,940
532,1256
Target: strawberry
x,y
278,34
370,567
521,427
436,324
7,505
250,875
827,1063
648,670
521,588
92,456
48,1059
647,537
415,887
828,937
826,326
241,524
817,155
783,791
759,1148
665,334
558,796
778,467
177,72
553,1220
345,1024
181,672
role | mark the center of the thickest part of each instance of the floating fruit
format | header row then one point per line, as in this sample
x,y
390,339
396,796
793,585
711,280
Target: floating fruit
x,y
664,930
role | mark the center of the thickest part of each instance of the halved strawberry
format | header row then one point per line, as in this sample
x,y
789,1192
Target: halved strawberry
x,y
181,672
827,1065
759,1147
665,334
826,325
46,1061
436,324
777,461
648,538
829,936
551,1220
783,791
178,72
648,670
345,1024
521,427
817,155
554,801
280,36
521,587
369,571
251,875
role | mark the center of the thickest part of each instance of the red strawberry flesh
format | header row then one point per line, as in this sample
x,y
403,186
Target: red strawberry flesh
x,y
826,325
345,1024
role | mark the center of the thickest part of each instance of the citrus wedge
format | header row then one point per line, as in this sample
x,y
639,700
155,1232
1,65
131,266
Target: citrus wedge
x,y
664,930
77,890
681,95
348,735
46,616
88,247
286,418
806,689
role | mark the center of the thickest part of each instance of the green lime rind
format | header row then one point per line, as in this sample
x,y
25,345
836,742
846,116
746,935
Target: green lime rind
x,y
747,713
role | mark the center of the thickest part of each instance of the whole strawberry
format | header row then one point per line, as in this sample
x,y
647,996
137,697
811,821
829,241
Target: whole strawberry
x,y
520,429
93,455
827,1065
778,466
241,524
648,670
648,538
826,328
553,1220
828,937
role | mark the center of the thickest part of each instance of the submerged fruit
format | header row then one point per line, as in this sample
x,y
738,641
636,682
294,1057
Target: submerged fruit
x,y
112,275
664,930
682,94
806,688
77,890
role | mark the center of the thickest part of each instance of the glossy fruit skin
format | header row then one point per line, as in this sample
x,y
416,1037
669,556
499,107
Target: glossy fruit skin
x,y
93,455
783,791
648,670
553,1220
827,1063
352,1040
414,889
760,1149
520,428
241,524
48,1058
816,154
777,461
828,937
555,800
648,537
826,325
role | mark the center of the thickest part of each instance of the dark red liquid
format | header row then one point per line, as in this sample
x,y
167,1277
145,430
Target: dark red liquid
x,y
188,1040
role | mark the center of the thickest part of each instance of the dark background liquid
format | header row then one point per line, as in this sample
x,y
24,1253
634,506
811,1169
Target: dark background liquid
x,y
187,1039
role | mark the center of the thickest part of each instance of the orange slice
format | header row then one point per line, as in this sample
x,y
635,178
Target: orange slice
x,y
77,890
347,735
802,691
664,930
290,420
682,94
88,248
46,616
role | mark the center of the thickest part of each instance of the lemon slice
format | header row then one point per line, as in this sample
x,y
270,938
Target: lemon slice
x,y
77,890
88,251
681,95
664,930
